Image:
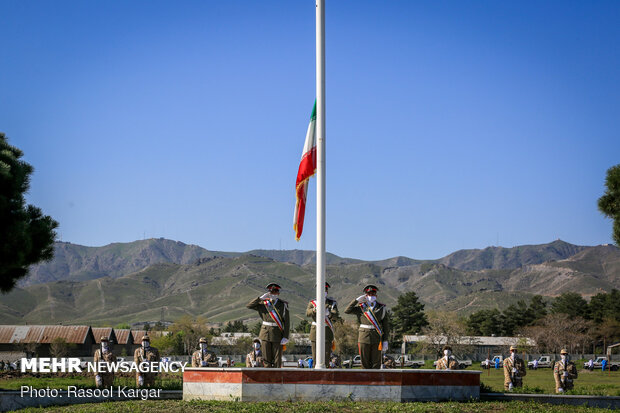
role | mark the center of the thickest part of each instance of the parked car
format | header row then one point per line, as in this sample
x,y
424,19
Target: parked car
x,y
598,364
543,362
350,363
407,361
491,363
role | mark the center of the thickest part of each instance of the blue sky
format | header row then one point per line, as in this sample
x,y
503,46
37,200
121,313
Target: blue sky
x,y
450,124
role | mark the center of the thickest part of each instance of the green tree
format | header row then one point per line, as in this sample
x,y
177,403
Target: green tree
x,y
303,326
255,329
408,315
236,326
537,308
484,323
570,303
609,203
27,235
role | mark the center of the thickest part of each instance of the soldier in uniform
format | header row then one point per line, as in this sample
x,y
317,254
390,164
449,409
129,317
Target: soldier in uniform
x,y
374,328
564,372
447,362
514,370
276,324
331,314
203,357
145,354
104,378
389,362
254,357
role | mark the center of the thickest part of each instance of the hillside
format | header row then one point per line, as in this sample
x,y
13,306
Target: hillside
x,y
219,287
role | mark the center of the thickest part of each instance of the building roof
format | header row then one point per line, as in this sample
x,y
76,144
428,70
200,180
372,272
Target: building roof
x,y
122,336
107,332
13,334
138,334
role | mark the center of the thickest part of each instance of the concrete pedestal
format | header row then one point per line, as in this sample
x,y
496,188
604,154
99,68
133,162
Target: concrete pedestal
x,y
254,384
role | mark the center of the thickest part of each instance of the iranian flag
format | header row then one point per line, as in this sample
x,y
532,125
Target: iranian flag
x,y
307,168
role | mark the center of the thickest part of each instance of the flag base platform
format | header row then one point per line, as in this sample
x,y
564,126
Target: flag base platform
x,y
296,384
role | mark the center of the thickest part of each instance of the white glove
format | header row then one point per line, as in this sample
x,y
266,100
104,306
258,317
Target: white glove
x,y
283,341
565,374
384,346
98,380
561,390
514,370
362,299
510,386
140,380
265,296
204,363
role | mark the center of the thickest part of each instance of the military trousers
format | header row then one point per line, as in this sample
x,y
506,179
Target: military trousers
x,y
272,353
107,379
328,352
149,379
370,355
517,381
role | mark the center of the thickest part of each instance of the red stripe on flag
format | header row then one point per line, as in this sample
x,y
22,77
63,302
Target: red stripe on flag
x,y
307,168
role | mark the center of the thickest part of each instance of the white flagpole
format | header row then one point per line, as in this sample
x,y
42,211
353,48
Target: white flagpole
x,y
320,183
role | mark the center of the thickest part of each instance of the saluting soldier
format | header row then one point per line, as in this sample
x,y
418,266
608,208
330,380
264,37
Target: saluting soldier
x,y
276,324
448,361
331,314
105,377
514,370
254,357
203,357
564,372
374,328
145,354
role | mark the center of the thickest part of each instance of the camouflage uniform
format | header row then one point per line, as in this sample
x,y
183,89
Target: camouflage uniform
x,y
368,339
389,362
107,378
562,381
142,355
447,363
331,311
515,378
270,334
254,359
207,356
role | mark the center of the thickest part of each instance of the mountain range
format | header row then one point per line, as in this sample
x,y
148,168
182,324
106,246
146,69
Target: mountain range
x,y
132,282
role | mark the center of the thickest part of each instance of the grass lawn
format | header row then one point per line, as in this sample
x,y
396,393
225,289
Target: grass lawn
x,y
595,382
168,381
174,406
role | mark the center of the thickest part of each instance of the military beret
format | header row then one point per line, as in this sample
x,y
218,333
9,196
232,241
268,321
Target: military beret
x,y
563,351
327,285
146,338
514,348
104,338
202,340
371,288
447,347
256,341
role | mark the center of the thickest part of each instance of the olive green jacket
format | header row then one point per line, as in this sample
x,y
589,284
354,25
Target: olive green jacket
x,y
367,335
271,333
331,311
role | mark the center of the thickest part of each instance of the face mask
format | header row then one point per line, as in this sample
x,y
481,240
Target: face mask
x,y
256,346
104,346
563,357
512,354
146,344
325,294
447,352
372,299
203,346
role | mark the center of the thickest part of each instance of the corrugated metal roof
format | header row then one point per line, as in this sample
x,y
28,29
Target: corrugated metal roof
x,y
138,334
43,334
122,335
107,332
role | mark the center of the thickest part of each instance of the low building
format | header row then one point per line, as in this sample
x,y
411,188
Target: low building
x,y
46,340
